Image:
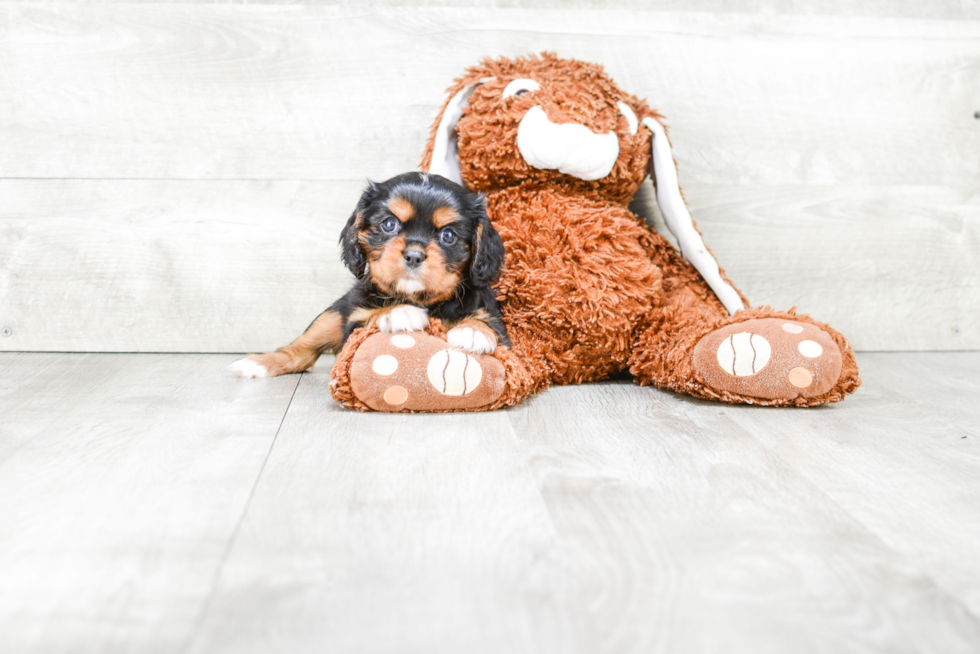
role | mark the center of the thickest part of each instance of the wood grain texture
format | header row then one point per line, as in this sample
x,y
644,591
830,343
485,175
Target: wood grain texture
x,y
690,534
598,518
950,379
829,155
219,266
969,9
894,268
150,266
393,533
326,92
907,449
122,480
613,519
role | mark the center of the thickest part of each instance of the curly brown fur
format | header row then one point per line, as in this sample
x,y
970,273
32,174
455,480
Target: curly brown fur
x,y
587,288
582,274
664,360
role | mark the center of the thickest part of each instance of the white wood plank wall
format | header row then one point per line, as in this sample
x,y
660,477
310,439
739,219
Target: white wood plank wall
x,y
173,177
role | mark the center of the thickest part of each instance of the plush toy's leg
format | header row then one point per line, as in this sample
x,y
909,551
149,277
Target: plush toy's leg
x,y
419,371
756,356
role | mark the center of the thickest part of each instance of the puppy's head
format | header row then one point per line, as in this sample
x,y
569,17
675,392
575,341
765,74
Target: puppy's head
x,y
420,236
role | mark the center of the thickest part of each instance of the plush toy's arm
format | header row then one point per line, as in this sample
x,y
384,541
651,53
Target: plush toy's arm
x,y
679,221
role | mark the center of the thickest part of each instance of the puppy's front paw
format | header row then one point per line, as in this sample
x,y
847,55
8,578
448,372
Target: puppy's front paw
x,y
403,318
471,340
249,369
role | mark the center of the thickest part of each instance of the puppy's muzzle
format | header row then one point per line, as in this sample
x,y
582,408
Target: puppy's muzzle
x,y
413,257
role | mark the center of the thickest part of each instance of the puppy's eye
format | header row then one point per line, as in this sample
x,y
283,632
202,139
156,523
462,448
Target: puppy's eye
x,y
389,225
448,236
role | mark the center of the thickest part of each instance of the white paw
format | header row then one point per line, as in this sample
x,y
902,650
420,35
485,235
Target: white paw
x,y
469,340
404,318
248,369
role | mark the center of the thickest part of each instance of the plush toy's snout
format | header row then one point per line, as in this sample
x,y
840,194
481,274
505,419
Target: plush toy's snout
x,y
569,148
589,289
576,150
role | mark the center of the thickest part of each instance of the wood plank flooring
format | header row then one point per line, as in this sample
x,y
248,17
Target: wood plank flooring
x,y
155,503
122,481
174,175
216,266
315,92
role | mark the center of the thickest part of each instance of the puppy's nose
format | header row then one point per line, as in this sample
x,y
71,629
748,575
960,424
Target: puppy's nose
x,y
414,257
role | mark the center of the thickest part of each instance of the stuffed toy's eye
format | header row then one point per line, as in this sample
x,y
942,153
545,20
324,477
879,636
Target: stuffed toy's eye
x,y
624,109
520,87
448,236
389,225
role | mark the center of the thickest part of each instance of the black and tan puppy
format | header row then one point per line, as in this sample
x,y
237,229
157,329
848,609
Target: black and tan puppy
x,y
420,246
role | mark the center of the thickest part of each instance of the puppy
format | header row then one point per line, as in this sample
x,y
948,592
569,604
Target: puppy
x,y
420,246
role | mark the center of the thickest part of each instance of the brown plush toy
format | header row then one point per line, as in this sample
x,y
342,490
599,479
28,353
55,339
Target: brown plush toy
x,y
587,290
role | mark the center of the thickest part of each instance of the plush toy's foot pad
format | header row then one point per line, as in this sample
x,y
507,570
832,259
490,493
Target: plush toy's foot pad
x,y
769,358
420,372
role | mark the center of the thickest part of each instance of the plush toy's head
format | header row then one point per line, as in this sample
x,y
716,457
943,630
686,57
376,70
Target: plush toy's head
x,y
542,119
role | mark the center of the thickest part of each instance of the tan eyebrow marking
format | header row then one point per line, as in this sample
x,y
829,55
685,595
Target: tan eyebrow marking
x,y
402,208
443,216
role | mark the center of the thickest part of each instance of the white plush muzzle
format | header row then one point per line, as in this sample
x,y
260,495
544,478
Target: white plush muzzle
x,y
576,150
570,148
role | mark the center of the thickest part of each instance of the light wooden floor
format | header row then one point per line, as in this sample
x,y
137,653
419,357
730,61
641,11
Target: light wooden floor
x,y
155,503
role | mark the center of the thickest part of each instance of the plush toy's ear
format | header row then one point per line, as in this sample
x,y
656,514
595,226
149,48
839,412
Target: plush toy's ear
x,y
444,150
351,251
678,218
488,247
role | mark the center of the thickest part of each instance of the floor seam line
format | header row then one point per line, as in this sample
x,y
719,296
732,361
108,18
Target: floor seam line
x,y
881,539
199,622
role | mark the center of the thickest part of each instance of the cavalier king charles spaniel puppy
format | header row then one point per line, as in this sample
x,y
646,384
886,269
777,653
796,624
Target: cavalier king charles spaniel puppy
x,y
420,246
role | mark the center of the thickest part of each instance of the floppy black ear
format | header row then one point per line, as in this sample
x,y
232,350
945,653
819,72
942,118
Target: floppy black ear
x,y
351,251
488,247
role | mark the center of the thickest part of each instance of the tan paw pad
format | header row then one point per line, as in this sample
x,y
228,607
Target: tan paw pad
x,y
769,358
396,395
800,377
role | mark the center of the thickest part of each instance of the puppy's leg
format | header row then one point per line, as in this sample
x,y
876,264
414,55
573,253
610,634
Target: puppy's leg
x,y
473,334
325,333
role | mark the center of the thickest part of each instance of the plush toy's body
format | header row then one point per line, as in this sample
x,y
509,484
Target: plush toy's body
x,y
587,289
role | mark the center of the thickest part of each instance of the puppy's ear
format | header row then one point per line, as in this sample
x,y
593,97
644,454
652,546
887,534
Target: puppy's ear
x,y
488,247
352,254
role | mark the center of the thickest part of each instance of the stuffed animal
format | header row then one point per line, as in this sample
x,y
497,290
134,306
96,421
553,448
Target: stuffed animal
x,y
587,289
